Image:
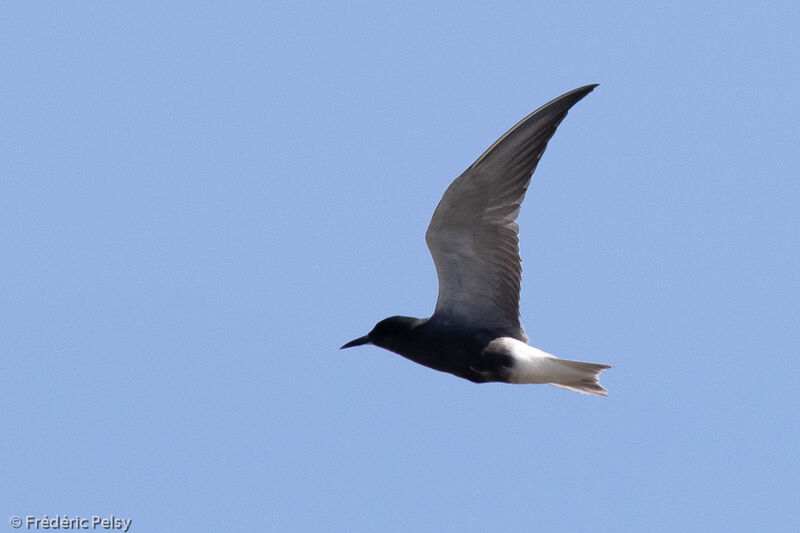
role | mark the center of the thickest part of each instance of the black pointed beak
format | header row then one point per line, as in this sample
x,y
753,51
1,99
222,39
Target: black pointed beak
x,y
356,342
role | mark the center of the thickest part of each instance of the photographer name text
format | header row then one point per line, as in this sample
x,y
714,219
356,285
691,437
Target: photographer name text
x,y
72,522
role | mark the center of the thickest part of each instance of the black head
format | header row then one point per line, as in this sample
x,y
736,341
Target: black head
x,y
389,333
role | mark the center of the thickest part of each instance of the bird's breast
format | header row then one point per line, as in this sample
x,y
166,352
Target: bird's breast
x,y
457,351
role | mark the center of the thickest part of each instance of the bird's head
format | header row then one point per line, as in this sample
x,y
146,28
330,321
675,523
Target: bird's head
x,y
389,333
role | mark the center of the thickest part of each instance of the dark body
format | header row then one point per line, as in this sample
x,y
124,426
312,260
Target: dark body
x,y
460,350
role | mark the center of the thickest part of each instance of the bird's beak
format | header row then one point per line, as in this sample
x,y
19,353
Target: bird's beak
x,y
356,342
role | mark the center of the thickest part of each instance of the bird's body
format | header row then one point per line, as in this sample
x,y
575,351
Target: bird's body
x,y
451,348
475,332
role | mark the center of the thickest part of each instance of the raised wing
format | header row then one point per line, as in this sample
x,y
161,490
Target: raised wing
x,y
473,236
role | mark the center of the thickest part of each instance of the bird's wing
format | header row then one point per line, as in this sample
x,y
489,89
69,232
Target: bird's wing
x,y
473,236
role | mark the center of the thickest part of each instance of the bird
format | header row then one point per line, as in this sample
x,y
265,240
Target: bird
x,y
475,331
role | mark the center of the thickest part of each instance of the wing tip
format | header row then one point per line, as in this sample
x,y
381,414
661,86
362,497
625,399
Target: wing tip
x,y
577,94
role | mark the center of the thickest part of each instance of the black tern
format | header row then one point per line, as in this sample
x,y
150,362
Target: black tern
x,y
475,330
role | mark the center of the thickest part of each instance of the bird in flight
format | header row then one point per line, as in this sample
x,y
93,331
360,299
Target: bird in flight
x,y
475,331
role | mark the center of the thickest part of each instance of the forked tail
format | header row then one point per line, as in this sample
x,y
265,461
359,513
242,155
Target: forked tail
x,y
578,376
532,365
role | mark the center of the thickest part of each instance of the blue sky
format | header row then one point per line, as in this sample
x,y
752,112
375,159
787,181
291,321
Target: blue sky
x,y
199,203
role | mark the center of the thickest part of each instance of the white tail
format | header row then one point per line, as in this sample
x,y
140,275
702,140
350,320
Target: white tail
x,y
532,365
579,376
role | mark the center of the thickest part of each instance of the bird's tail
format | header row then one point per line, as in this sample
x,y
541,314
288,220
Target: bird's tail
x,y
578,376
532,365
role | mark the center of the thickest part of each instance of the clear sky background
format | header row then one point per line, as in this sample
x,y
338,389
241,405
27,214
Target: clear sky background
x,y
199,203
